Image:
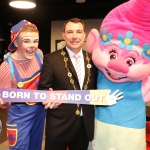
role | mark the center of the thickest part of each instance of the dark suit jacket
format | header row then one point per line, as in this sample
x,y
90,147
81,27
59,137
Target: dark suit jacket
x,y
61,123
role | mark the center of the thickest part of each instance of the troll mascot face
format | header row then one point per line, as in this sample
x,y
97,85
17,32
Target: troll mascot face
x,y
121,52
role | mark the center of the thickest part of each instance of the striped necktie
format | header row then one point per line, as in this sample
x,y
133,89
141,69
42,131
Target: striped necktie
x,y
78,67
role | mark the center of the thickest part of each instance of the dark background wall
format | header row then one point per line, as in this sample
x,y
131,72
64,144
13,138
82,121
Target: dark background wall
x,y
51,10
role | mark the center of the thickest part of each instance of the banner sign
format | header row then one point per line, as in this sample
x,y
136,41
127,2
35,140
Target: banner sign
x,y
90,97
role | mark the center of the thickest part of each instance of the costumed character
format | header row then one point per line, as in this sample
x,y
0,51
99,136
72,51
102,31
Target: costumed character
x,y
21,69
121,52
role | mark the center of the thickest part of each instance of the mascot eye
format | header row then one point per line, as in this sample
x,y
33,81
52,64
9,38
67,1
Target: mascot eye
x,y
130,61
113,56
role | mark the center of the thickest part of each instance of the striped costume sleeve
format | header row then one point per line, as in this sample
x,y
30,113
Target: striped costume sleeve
x,y
5,76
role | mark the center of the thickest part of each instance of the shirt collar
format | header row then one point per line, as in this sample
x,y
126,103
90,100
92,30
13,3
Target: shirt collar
x,y
71,54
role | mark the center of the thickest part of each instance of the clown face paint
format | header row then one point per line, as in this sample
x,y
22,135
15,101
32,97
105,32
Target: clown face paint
x,y
27,45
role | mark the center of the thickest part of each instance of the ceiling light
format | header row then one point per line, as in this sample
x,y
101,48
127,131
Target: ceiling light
x,y
80,1
24,4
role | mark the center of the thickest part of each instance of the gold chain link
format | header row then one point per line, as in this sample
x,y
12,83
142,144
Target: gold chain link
x,y
63,53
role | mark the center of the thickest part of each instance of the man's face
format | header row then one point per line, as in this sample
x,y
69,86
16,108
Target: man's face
x,y
27,44
74,36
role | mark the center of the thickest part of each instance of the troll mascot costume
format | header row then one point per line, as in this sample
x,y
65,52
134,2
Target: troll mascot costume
x,y
121,52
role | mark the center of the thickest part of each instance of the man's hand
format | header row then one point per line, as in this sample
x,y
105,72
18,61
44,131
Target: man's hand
x,y
51,105
4,105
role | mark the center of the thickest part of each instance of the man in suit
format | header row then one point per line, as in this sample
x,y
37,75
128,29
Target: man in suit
x,y
69,124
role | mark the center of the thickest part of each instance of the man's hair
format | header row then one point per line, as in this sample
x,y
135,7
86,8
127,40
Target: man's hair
x,y
74,20
27,28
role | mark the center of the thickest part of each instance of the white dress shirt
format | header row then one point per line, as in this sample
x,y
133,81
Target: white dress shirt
x,y
73,59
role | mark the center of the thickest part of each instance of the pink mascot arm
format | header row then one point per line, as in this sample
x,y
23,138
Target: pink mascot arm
x,y
93,40
146,89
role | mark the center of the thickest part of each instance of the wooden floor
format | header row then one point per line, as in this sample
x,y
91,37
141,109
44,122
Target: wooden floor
x,y
148,111
3,116
3,136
